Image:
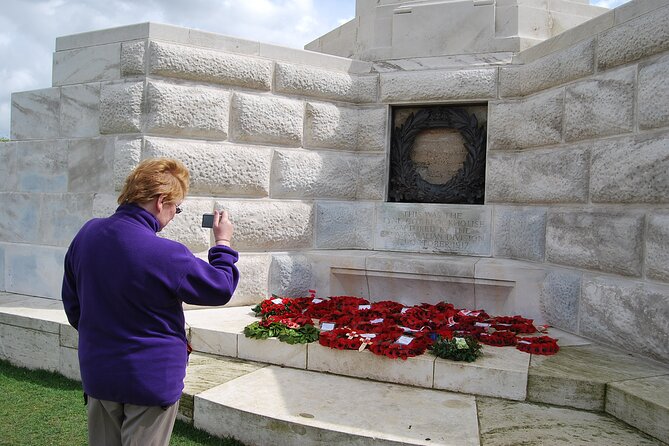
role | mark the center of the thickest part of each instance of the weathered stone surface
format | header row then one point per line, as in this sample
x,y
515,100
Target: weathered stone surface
x,y
104,205
187,227
80,110
344,225
218,169
2,266
520,232
657,247
19,222
640,37
330,126
187,111
316,82
372,128
371,177
133,58
121,107
600,106
307,174
269,120
558,176
554,69
90,165
290,275
653,97
439,85
42,166
86,64
534,121
33,271
36,114
8,176
253,279
640,322
61,217
605,241
559,297
127,153
275,225
28,348
630,170
199,64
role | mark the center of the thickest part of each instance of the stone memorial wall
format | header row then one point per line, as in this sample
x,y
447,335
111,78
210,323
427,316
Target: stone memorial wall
x,y
575,226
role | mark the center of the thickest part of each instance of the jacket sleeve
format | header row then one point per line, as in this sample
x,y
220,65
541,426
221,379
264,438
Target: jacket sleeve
x,y
69,292
211,283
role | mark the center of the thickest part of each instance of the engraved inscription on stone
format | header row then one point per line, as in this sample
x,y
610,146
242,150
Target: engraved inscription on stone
x,y
433,228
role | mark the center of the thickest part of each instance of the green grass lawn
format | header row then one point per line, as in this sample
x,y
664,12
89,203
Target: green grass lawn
x,y
47,409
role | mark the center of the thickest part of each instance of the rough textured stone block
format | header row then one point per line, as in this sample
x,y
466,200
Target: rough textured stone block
x,y
8,177
87,64
306,174
344,225
310,81
640,37
209,66
187,111
90,165
604,241
534,121
61,217
253,279
20,220
264,225
35,271
554,69
28,348
42,166
187,227
553,177
121,107
80,110
520,232
560,295
36,114
269,120
640,322
133,56
127,153
218,169
330,126
653,98
439,85
290,275
657,247
630,170
372,129
104,205
371,177
600,106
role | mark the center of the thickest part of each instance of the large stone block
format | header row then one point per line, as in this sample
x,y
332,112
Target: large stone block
x,y
87,64
372,129
80,110
8,176
371,177
557,176
643,36
104,205
554,69
187,227
187,111
90,165
520,232
316,82
36,114
205,65
268,120
121,107
657,247
605,241
630,170
439,85
290,275
42,166
307,174
2,267
600,106
127,154
560,296
61,217
653,97
253,279
344,225
19,222
631,315
330,126
28,348
218,169
34,270
265,225
133,58
534,121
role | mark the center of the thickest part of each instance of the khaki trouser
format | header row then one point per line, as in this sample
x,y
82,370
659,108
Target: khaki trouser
x,y
117,424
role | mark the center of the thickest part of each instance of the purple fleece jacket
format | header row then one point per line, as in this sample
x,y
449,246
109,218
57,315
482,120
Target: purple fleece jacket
x,y
122,290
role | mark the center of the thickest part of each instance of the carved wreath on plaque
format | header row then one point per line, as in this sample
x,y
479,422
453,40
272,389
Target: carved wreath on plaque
x,y
466,186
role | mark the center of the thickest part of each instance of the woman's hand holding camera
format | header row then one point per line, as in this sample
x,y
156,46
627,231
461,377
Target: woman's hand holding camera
x,y
222,228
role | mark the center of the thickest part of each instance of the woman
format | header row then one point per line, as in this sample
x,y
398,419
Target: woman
x,y
123,290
